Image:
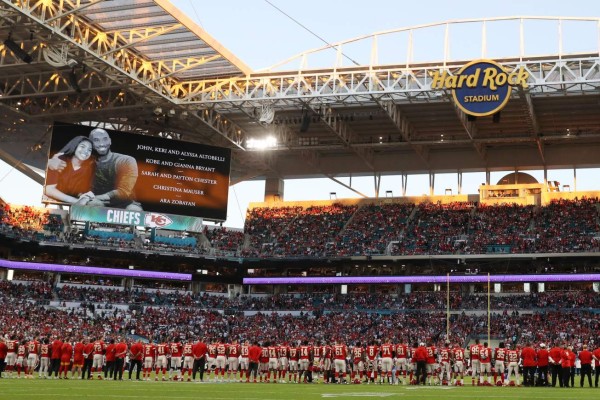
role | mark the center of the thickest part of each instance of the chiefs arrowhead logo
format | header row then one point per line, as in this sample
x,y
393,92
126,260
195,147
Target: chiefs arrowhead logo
x,y
154,220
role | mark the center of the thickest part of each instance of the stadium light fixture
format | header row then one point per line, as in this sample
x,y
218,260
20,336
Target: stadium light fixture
x,y
17,50
269,142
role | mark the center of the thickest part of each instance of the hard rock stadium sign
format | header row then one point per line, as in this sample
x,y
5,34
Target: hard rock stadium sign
x,y
481,87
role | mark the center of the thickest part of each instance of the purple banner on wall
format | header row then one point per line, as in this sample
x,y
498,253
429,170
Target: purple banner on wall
x,y
75,269
350,280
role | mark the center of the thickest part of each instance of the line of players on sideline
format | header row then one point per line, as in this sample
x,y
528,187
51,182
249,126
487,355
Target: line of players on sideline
x,y
308,362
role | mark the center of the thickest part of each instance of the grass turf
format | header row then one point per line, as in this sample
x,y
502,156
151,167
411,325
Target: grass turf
x,y
131,390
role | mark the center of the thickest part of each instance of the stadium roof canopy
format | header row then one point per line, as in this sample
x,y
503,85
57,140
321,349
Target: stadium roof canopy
x,y
143,66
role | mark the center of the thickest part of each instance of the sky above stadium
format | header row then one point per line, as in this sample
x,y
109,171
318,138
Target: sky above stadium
x,y
262,33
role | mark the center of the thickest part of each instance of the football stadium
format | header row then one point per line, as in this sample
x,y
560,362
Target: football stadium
x,y
137,122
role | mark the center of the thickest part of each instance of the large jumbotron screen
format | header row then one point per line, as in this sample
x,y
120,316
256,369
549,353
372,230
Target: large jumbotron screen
x,y
116,170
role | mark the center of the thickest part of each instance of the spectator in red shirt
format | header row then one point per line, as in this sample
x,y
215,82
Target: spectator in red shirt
x,y
253,359
585,356
542,361
199,351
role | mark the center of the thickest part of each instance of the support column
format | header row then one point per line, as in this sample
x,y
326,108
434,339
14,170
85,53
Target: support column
x,y
404,184
377,178
431,183
460,176
574,179
273,189
487,176
545,176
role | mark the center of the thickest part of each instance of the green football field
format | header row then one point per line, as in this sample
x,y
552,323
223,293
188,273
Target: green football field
x,y
75,389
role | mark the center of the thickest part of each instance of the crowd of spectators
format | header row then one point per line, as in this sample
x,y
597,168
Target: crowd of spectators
x,y
336,230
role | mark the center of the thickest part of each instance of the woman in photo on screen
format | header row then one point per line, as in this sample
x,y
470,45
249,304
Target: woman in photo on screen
x,y
73,183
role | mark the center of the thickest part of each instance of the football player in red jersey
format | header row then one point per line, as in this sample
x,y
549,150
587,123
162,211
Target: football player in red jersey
x,y
445,358
317,361
458,356
99,348
233,360
44,358
283,352
387,361
78,359
11,355
273,362
475,367
326,354
211,357
3,350
33,357
188,361
149,351
221,359
176,350
66,355
245,361
499,364
305,360
431,363
372,356
21,362
162,351
340,351
401,362
358,362
294,353
512,357
485,363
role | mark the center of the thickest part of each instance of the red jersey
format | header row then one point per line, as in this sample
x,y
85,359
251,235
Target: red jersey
x,y
56,346
176,349
340,351
485,355
66,352
99,347
199,349
44,351
512,356
21,350
264,355
372,352
212,351
317,352
245,351
33,347
500,354
431,351
542,357
445,355
11,346
459,354
78,352
162,349
221,349
387,350
254,353
305,352
137,351
272,351
294,353
474,351
358,353
188,350
233,350
149,350
3,350
401,351
283,352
